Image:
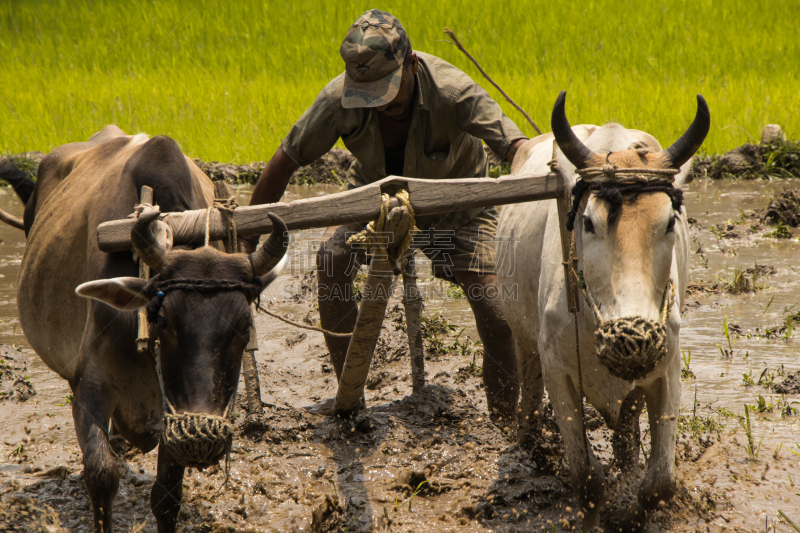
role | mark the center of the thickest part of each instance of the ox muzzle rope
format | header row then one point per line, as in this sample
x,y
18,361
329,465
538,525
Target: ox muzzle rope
x,y
630,347
194,439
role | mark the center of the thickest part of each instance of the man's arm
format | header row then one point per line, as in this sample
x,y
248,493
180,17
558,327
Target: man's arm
x,y
314,133
270,187
482,117
274,179
513,150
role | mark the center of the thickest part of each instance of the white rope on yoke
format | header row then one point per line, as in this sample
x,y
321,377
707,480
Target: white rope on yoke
x,y
222,206
608,173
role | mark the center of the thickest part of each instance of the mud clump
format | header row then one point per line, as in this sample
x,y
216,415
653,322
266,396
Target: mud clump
x,y
14,383
790,385
774,159
783,209
22,513
26,162
330,168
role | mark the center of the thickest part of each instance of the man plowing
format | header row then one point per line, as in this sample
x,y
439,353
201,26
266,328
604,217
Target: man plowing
x,y
407,113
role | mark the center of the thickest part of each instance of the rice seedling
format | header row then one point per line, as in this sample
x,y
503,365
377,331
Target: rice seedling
x,y
777,453
410,499
726,352
686,372
698,425
752,449
786,518
741,283
228,79
764,309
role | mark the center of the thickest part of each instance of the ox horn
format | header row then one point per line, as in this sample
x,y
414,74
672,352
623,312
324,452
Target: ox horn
x,y
685,147
572,147
144,241
271,252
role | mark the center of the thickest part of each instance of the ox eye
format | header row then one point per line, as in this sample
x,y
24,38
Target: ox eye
x,y
164,324
588,225
671,224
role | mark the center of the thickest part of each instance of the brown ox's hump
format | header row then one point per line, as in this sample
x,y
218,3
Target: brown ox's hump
x,y
59,163
160,164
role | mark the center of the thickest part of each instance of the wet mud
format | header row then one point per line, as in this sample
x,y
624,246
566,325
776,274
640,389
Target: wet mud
x,y
437,462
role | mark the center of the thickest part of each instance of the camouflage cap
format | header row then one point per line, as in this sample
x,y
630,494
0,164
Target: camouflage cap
x,y
373,52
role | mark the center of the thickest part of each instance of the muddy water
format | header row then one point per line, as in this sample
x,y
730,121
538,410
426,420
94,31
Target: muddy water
x,y
296,470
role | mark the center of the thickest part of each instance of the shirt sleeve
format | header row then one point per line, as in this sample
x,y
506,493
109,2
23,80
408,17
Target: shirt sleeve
x,y
316,131
480,116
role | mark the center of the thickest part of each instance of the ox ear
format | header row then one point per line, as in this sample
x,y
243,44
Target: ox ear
x,y
121,293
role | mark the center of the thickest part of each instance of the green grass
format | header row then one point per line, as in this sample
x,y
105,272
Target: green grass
x,y
228,79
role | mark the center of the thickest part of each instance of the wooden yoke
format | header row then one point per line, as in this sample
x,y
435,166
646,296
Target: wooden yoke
x,y
428,197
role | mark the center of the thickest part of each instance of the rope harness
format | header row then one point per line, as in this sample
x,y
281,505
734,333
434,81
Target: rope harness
x,y
266,311
193,439
226,209
630,347
374,235
602,181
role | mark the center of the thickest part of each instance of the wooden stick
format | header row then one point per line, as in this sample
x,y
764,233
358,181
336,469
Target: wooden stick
x,y
223,191
413,303
143,335
365,336
428,197
250,372
512,102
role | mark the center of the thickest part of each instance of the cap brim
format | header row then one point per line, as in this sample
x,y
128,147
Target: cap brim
x,y
371,93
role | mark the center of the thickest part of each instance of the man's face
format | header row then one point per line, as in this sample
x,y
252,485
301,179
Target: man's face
x,y
405,94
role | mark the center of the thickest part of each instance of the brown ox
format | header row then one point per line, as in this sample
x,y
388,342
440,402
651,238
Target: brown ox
x,y
201,322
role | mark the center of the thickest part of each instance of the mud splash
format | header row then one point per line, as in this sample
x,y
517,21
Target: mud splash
x,y
15,385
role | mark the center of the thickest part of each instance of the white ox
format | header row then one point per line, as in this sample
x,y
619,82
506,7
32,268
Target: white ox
x,y
627,260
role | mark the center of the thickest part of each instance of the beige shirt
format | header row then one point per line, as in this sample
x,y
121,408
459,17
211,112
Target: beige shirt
x,y
451,116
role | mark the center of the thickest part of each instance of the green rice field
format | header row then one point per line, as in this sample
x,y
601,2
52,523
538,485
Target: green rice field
x,y
228,79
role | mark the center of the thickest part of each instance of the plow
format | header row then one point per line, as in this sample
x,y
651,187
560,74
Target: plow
x,y
379,203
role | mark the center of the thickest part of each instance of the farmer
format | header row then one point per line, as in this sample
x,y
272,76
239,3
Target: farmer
x,y
406,113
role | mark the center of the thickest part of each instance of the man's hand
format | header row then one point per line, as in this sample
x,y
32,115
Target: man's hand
x,y
513,150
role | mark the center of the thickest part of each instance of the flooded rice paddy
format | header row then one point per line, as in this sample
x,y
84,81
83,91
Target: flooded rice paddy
x,y
295,470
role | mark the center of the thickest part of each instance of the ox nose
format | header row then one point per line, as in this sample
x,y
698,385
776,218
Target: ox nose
x,y
631,347
197,440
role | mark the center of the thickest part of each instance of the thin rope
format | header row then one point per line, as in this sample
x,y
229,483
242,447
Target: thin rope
x,y
259,307
667,299
573,250
226,209
609,172
157,289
